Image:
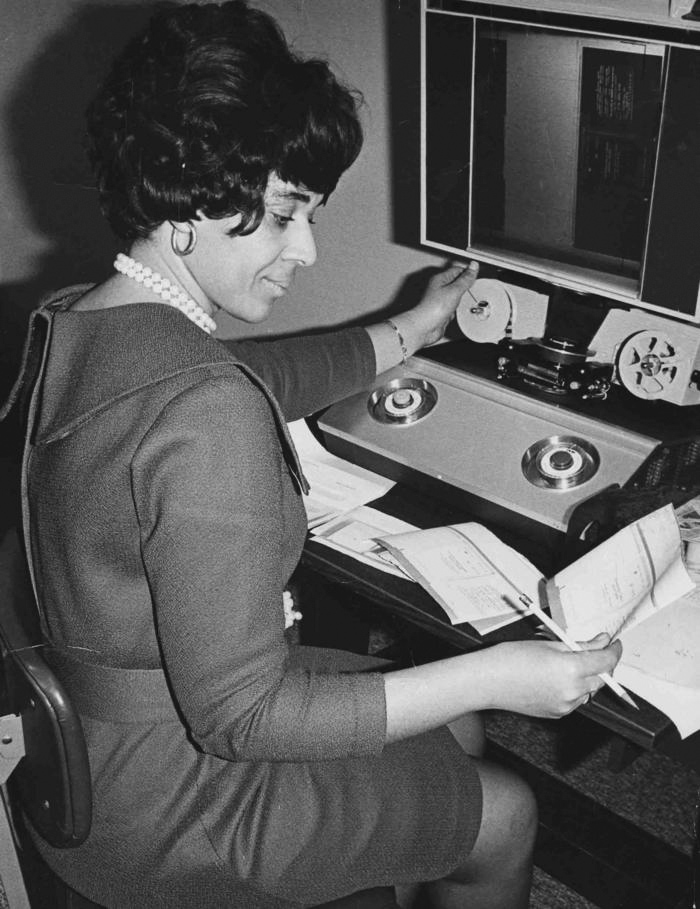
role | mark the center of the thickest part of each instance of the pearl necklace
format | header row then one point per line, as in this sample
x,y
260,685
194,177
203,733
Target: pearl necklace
x,y
166,290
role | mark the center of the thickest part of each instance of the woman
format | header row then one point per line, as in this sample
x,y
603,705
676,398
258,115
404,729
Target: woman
x,y
164,517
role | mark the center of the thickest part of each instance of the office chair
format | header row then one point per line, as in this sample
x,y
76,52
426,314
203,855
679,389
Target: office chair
x,y
49,773
42,748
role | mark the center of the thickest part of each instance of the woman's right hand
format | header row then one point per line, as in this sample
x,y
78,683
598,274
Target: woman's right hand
x,y
545,678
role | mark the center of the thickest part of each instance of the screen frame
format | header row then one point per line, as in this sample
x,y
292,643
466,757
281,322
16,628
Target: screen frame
x,y
634,292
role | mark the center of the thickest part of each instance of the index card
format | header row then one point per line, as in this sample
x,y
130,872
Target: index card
x,y
624,580
472,574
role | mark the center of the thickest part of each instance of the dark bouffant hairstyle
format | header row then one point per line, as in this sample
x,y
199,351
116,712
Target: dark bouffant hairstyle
x,y
202,107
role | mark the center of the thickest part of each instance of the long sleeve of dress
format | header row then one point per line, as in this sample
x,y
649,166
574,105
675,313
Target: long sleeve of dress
x,y
218,519
310,372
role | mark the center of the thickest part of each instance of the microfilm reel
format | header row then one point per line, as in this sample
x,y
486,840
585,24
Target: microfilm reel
x,y
648,363
485,312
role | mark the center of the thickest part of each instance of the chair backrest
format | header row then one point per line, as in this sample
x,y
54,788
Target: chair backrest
x,y
51,782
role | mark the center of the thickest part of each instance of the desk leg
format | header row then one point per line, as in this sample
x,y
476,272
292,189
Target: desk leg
x,y
622,754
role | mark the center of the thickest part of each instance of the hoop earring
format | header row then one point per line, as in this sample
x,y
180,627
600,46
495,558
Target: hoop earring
x,y
191,239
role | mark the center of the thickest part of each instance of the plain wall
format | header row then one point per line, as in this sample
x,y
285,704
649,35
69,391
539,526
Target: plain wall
x,y
51,234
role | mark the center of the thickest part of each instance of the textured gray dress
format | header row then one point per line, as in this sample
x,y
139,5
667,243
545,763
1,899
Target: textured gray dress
x,y
164,515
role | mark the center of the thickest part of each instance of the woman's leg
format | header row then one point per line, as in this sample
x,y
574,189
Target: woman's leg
x,y
470,733
497,872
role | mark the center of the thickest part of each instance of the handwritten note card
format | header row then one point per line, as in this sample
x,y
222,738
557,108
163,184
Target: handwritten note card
x,y
624,580
473,575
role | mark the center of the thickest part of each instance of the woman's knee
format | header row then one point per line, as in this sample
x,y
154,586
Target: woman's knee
x,y
508,826
509,808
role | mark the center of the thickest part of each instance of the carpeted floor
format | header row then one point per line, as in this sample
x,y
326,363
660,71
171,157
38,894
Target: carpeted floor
x,y
656,793
548,893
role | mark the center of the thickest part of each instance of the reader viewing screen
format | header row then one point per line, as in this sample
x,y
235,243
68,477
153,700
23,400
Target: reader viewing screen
x,y
565,137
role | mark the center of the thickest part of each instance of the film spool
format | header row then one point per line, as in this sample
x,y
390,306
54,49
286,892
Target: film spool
x,y
485,311
649,364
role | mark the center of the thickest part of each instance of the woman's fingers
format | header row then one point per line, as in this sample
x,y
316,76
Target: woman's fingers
x,y
597,643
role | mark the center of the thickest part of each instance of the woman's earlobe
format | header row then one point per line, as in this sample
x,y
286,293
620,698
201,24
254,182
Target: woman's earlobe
x,y
183,238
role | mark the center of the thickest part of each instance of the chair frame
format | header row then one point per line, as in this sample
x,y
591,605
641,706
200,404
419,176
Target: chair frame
x,y
51,779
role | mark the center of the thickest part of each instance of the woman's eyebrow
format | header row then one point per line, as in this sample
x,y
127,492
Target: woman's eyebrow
x,y
283,194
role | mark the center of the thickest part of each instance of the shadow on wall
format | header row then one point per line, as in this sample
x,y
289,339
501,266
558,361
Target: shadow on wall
x,y
46,127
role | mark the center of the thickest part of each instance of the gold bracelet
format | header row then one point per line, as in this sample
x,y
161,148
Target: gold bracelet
x,y
404,351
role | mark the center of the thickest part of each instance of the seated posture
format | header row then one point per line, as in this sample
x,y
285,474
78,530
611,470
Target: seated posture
x,y
164,515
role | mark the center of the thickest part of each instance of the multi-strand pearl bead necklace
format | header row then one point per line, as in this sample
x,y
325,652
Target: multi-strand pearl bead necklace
x,y
170,293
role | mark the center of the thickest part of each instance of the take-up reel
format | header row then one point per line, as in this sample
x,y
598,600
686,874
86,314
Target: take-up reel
x,y
649,364
655,359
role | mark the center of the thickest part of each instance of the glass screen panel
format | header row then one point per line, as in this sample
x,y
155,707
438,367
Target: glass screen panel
x,y
565,133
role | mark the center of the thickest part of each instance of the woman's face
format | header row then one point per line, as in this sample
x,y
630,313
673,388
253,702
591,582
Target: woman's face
x,y
245,276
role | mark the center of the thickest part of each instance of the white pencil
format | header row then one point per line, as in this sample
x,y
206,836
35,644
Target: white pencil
x,y
574,645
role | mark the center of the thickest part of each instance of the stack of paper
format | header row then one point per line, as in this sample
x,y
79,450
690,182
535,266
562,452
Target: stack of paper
x,y
358,532
661,662
661,659
635,586
337,486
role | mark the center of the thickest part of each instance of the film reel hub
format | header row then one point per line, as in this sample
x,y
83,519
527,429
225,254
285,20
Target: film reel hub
x,y
402,401
560,462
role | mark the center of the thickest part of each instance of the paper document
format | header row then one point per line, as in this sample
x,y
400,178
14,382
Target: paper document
x,y
474,576
661,661
337,486
636,587
623,581
681,705
357,534
576,647
667,645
